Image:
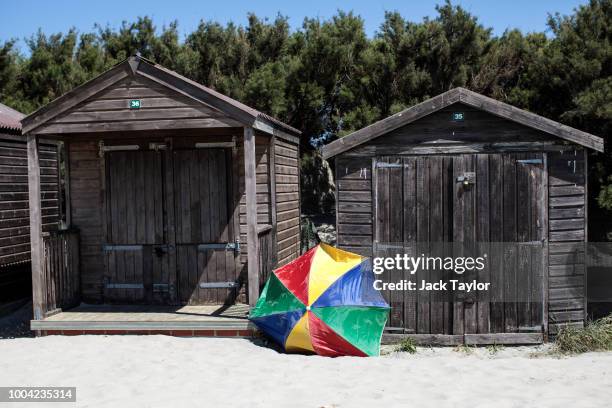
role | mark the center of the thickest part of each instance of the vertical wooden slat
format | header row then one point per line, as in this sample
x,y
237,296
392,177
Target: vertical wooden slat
x,y
524,209
272,187
213,218
36,243
205,229
539,190
458,236
544,216
496,236
470,308
395,238
409,238
67,192
482,235
220,188
448,196
509,236
381,175
423,221
60,270
586,228
251,209
224,260
235,215
169,222
436,207
140,198
230,264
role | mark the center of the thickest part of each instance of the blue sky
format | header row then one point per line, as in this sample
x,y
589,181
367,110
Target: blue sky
x,y
20,19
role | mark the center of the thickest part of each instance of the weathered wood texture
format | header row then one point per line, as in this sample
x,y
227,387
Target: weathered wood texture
x,y
462,97
160,108
267,254
438,133
62,116
263,191
250,189
86,203
36,246
142,192
135,223
501,208
203,203
287,174
61,274
354,204
567,231
14,210
468,339
419,205
169,213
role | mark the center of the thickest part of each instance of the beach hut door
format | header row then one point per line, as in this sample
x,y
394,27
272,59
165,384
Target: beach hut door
x,y
138,266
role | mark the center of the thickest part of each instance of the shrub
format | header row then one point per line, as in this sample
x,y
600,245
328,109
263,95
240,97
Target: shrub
x,y
407,345
595,336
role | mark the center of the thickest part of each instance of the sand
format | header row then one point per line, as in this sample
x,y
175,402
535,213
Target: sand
x,y
162,371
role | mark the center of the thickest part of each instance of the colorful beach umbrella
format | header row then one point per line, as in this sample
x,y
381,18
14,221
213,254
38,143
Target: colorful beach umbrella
x,y
323,302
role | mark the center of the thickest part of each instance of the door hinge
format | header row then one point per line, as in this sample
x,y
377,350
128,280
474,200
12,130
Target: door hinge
x,y
108,248
110,285
385,165
114,148
211,145
229,246
158,146
218,285
161,287
530,161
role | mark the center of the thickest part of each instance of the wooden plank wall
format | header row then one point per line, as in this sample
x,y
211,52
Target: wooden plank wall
x,y
287,173
354,204
86,203
14,210
567,232
161,108
262,171
480,132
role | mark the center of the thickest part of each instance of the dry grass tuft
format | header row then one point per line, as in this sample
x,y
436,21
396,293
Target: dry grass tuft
x,y
595,336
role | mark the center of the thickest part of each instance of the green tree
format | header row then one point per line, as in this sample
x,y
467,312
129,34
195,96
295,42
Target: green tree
x,y
9,70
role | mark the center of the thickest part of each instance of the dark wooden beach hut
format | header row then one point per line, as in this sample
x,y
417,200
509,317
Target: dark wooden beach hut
x,y
176,194
463,167
14,214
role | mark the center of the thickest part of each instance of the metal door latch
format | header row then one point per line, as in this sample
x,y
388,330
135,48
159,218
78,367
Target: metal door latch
x,y
230,246
467,178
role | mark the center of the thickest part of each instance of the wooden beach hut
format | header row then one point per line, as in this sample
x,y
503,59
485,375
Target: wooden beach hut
x,y
462,167
176,195
14,214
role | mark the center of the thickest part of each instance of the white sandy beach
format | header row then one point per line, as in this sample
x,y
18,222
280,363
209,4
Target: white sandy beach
x,y
162,371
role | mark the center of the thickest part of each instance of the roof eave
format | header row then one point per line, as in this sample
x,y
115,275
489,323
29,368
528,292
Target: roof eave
x,y
391,123
467,97
74,97
529,119
273,129
140,66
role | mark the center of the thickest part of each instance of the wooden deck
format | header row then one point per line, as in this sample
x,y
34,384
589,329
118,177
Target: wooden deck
x,y
225,321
